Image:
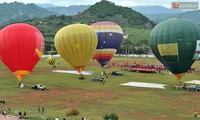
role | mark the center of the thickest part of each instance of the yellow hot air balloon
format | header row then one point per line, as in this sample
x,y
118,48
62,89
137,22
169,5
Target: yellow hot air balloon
x,y
76,43
51,60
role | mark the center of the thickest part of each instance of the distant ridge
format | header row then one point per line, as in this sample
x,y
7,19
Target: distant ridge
x,y
46,5
16,12
70,10
155,10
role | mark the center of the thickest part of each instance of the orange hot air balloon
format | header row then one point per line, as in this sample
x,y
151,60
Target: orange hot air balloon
x,y
21,47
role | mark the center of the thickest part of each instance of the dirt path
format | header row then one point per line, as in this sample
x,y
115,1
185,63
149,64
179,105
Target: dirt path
x,y
6,117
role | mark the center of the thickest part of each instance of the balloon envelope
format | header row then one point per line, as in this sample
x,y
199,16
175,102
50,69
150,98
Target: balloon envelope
x,y
103,56
21,47
76,43
174,43
51,60
109,34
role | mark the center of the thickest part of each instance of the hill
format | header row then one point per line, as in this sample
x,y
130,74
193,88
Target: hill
x,y
192,15
46,5
160,13
107,11
15,12
155,10
70,10
157,13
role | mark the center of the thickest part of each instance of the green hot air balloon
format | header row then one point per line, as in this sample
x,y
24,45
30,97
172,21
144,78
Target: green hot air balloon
x,y
175,43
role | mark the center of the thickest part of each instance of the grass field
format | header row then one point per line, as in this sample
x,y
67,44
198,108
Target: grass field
x,y
93,99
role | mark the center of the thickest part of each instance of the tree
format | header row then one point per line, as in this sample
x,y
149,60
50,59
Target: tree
x,y
62,17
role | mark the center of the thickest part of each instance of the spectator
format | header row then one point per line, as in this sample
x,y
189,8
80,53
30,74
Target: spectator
x,y
43,109
195,114
199,114
103,82
25,115
4,112
38,108
20,115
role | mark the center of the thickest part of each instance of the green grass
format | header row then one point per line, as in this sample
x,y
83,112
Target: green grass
x,y
93,99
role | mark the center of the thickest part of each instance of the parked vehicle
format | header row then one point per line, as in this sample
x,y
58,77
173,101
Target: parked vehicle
x,y
98,79
116,73
38,87
193,88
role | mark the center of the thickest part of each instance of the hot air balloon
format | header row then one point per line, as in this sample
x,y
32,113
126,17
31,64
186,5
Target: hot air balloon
x,y
103,56
174,43
21,47
51,60
76,43
109,34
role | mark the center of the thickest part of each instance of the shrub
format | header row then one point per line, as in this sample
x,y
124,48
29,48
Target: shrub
x,y
112,116
72,112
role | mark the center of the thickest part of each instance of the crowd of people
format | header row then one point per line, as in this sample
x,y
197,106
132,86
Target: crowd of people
x,y
2,101
24,115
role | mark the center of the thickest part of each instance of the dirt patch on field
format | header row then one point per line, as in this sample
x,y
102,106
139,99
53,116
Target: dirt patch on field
x,y
63,98
5,117
154,117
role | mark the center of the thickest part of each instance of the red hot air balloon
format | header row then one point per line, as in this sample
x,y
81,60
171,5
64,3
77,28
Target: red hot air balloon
x,y
21,46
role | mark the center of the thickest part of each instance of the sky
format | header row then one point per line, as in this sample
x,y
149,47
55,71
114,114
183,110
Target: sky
x,y
128,3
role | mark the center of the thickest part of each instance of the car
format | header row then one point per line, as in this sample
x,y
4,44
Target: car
x,y
98,79
193,88
116,73
38,87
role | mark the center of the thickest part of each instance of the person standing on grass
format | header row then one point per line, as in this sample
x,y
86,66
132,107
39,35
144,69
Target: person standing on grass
x,y
43,109
38,109
195,114
25,115
199,114
4,112
20,115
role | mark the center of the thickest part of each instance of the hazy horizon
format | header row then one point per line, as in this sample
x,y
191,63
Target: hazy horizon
x,y
127,3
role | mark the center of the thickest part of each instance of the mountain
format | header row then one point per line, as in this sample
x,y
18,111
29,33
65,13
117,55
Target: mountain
x,y
101,11
70,10
16,12
192,15
108,11
157,13
45,5
156,10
